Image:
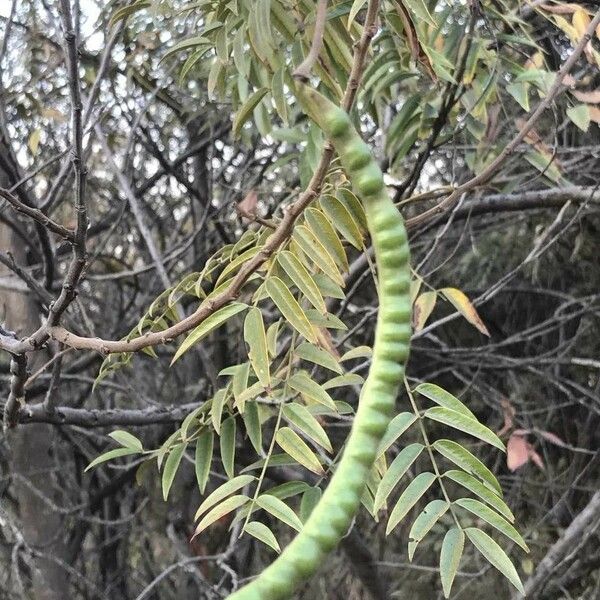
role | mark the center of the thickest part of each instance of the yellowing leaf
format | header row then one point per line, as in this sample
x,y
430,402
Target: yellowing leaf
x,y
581,20
221,510
298,449
463,305
34,141
423,308
302,279
289,308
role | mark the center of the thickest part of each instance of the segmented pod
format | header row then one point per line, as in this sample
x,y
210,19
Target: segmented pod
x,y
331,517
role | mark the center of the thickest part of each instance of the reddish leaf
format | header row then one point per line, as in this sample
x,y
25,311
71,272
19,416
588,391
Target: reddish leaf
x,y
247,207
552,438
509,416
517,452
535,458
522,432
594,114
592,97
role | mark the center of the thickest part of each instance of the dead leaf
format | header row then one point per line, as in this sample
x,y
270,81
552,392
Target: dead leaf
x,y
463,305
325,340
416,51
559,9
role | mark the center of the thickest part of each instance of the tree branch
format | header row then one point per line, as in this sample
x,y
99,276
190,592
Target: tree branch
x,y
65,415
483,177
37,215
283,231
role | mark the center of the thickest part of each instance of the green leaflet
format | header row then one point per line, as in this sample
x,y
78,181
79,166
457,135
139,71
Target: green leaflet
x,y
246,109
251,418
279,510
300,416
358,352
171,466
262,533
301,382
219,511
411,495
452,549
310,499
323,230
318,356
317,252
227,445
127,440
239,384
209,324
398,425
203,458
342,220
343,380
302,279
462,422
443,398
114,453
494,555
493,518
479,489
461,457
395,472
424,522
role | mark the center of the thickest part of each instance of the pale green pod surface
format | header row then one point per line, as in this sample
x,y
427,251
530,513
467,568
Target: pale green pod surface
x,y
332,516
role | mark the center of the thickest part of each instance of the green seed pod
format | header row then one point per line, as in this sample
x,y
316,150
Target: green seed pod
x,y
332,516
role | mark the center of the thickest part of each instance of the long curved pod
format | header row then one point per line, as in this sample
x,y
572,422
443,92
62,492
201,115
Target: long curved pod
x,y
340,502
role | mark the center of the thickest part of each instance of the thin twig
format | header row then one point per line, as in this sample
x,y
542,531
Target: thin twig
x,y
304,69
